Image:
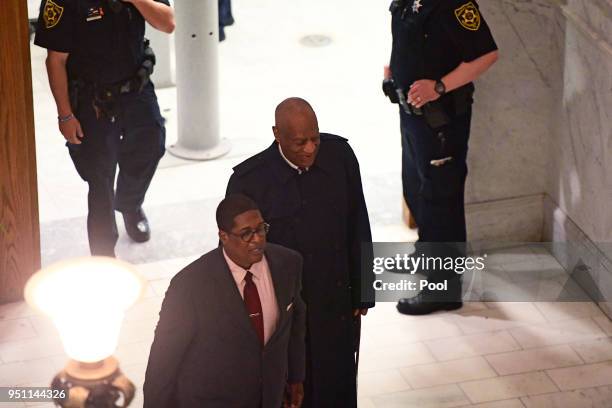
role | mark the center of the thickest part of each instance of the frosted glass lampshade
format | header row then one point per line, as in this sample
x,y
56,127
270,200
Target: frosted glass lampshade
x,y
86,298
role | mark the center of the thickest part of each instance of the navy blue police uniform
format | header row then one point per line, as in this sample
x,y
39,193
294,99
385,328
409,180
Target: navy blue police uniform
x,y
430,39
115,104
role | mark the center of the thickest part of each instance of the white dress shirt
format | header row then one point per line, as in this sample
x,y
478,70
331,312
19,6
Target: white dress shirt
x,y
293,166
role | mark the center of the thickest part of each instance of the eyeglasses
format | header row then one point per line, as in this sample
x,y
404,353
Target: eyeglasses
x,y
248,235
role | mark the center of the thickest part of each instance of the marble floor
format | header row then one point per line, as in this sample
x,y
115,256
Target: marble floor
x,y
487,354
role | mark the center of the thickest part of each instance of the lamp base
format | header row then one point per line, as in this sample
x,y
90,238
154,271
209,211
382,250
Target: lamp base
x,y
94,385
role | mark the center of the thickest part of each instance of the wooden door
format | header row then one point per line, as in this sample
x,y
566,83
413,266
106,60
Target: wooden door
x,y
19,227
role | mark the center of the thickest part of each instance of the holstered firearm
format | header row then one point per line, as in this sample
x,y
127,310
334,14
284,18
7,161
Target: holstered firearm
x,y
145,71
398,95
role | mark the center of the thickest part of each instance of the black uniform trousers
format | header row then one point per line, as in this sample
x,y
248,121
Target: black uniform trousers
x,y
435,194
135,141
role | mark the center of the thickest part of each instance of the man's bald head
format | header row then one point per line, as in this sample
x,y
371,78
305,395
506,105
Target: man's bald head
x,y
292,109
296,130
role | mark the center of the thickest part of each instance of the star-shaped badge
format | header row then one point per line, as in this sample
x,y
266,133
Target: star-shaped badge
x,y
416,6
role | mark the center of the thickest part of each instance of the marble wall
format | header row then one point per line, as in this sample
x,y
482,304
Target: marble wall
x,y
542,121
512,124
513,104
543,125
579,179
580,172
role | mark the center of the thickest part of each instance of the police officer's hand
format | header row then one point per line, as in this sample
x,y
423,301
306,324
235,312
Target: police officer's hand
x,y
421,92
387,72
71,130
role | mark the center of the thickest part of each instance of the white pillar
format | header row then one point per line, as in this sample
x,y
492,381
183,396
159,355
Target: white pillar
x,y
197,83
163,46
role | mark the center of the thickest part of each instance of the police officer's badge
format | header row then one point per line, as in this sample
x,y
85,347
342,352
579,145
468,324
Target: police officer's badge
x,y
52,13
468,16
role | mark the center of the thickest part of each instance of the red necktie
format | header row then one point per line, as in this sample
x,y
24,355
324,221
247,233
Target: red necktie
x,y
253,305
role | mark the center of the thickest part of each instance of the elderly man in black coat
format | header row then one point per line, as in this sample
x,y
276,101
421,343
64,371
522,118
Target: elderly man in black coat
x,y
308,187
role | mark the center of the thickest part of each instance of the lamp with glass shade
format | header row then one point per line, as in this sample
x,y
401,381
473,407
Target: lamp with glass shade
x,y
87,298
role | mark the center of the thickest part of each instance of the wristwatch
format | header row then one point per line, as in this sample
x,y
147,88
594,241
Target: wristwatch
x,y
440,88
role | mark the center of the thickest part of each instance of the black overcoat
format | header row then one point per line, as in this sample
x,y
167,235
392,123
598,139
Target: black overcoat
x,y
322,214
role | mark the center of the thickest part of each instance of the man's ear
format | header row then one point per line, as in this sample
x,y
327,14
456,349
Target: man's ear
x,y
276,133
223,236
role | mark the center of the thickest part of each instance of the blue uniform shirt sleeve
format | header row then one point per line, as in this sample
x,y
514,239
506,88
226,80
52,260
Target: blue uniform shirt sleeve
x,y
56,25
467,29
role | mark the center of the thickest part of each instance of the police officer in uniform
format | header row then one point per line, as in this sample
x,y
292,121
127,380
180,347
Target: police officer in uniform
x,y
98,65
439,48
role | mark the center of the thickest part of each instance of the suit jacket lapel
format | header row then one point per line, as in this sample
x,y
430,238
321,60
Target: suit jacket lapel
x,y
230,301
281,290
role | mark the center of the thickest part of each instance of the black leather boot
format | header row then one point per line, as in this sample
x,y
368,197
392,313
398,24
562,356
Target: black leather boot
x,y
429,301
137,225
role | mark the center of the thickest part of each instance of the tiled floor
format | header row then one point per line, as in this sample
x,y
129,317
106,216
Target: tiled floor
x,y
487,354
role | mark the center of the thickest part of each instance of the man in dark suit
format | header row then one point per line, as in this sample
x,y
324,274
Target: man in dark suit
x,y
231,327
308,187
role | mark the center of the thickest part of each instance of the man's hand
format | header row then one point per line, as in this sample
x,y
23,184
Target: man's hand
x,y
294,395
421,92
357,312
72,131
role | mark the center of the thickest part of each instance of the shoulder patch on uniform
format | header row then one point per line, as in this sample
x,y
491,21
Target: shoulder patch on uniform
x,y
468,16
52,14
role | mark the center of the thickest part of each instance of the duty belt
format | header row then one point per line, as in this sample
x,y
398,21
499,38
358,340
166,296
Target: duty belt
x,y
105,95
435,113
124,87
